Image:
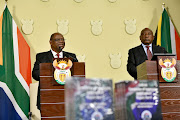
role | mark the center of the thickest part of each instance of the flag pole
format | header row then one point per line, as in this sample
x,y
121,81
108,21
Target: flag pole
x,y
6,1
163,5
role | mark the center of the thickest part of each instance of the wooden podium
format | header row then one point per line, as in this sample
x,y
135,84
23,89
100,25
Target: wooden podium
x,y
169,91
52,96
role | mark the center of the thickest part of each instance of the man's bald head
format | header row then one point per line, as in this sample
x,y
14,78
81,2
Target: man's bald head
x,y
55,34
57,41
146,36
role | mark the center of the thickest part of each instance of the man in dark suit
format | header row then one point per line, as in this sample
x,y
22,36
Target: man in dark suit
x,y
143,52
57,43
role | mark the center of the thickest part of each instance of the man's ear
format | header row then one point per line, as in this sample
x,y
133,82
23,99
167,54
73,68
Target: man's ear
x,y
50,42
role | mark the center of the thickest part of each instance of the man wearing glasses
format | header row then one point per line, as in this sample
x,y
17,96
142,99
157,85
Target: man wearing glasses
x,y
57,43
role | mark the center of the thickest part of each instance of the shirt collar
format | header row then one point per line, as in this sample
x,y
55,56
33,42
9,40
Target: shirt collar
x,y
54,54
144,46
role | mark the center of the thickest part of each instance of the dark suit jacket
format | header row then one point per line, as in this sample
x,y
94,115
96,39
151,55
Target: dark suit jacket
x,y
47,57
137,56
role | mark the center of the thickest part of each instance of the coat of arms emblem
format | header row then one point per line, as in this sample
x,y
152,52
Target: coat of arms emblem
x,y
168,71
62,70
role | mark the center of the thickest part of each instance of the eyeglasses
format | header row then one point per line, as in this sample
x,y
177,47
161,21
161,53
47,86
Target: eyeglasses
x,y
61,39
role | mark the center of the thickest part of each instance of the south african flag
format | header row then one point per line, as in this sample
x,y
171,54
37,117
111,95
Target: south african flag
x,y
15,70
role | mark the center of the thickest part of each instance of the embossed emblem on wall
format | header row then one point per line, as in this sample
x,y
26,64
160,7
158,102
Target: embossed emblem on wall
x,y
112,1
78,1
96,27
130,26
27,26
115,60
44,0
81,58
63,26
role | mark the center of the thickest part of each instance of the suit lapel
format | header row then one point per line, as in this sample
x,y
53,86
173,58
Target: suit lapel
x,y
50,56
142,52
154,49
63,54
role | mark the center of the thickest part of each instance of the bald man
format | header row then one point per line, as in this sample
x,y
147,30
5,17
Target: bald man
x,y
57,43
143,52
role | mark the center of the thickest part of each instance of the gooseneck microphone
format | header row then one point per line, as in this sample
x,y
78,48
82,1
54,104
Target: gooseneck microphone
x,y
71,57
60,49
74,59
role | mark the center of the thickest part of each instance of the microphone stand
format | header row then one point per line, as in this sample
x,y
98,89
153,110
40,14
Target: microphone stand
x,y
30,115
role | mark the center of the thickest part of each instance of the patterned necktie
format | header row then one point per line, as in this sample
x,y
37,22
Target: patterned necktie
x,y
149,54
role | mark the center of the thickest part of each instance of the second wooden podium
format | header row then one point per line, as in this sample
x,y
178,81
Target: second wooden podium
x,y
169,91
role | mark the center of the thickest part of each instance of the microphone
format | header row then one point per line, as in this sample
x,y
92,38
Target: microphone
x,y
69,56
60,49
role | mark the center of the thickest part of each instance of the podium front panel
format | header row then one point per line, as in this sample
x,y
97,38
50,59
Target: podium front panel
x,y
52,96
